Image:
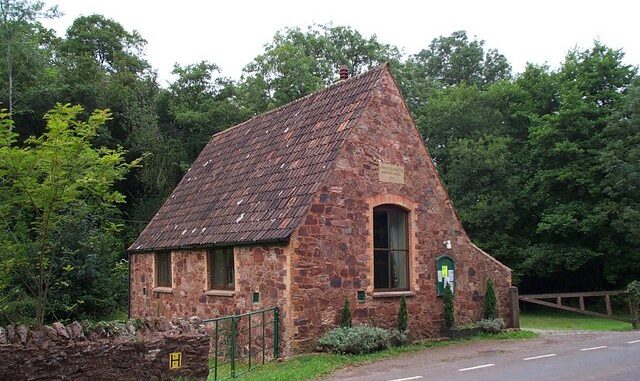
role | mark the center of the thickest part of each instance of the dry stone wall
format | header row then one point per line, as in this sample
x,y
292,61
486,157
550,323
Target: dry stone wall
x,y
136,350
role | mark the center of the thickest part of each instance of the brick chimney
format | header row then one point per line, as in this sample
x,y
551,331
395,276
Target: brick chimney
x,y
344,72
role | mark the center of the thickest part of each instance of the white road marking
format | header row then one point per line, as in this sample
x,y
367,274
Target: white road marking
x,y
593,348
408,378
539,357
475,367
633,342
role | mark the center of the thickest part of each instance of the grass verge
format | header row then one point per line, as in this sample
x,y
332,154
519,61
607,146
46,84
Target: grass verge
x,y
569,321
313,366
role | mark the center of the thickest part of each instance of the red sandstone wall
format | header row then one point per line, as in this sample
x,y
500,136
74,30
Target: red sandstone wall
x,y
262,269
332,256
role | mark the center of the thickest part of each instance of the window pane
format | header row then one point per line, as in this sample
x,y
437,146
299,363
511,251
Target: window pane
x,y
381,269
163,269
397,230
230,269
218,269
399,269
380,230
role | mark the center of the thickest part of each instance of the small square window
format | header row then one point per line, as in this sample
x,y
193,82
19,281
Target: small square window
x,y
221,269
256,297
361,296
163,269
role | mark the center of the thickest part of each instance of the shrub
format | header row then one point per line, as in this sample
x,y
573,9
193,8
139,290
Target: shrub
x,y
402,315
345,315
354,340
633,291
491,325
489,310
399,338
447,301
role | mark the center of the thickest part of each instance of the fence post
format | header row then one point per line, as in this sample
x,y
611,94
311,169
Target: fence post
x,y
276,333
233,347
514,307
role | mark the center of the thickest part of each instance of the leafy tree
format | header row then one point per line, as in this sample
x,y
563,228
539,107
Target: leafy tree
x,y
345,315
489,307
55,182
454,60
298,62
21,39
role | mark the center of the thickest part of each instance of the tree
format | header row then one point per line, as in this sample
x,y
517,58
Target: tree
x,y
298,62
454,60
50,185
567,193
489,306
21,35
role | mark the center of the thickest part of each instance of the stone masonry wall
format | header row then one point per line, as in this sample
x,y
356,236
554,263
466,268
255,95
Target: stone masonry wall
x,y
333,248
257,268
138,350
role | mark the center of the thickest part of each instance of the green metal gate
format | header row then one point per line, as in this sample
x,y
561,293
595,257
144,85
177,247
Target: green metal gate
x,y
243,342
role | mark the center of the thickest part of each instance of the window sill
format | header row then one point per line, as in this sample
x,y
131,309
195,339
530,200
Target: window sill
x,y
392,294
220,292
163,290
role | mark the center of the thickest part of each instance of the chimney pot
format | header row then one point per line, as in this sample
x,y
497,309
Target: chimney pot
x,y
344,72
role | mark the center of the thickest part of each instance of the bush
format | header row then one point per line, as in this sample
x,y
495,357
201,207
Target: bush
x,y
403,323
633,291
447,300
345,315
491,325
354,340
399,338
489,310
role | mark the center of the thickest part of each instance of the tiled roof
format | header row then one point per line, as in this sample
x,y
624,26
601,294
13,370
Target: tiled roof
x,y
254,182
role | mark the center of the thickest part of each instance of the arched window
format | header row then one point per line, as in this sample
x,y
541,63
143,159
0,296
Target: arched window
x,y
390,248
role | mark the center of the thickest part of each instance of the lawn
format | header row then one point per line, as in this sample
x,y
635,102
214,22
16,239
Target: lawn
x,y
569,321
312,366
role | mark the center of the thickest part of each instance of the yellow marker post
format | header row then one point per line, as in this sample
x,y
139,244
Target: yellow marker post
x,y
175,360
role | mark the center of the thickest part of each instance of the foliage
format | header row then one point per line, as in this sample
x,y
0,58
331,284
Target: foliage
x,y
491,325
399,338
57,199
633,292
403,323
448,306
297,63
354,340
489,307
345,315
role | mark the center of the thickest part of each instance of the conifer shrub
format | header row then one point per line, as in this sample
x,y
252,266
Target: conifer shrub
x,y
447,301
489,310
345,315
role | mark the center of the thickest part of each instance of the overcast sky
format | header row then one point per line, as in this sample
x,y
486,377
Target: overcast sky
x,y
231,33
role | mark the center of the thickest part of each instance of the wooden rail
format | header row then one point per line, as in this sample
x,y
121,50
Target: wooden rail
x,y
537,299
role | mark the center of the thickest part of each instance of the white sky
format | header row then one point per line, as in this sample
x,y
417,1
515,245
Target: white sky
x,y
231,33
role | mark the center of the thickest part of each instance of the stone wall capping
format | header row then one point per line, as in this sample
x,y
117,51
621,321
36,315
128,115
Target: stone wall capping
x,y
163,290
220,293
393,294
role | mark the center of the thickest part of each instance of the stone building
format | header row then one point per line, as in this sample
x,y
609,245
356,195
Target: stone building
x,y
329,197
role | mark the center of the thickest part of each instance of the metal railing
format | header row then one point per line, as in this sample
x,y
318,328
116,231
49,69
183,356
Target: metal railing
x,y
240,343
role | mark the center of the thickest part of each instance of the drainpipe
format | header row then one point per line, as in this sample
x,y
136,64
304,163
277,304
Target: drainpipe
x,y
129,288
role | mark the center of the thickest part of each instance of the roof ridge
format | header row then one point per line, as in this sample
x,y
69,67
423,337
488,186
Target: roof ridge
x,y
326,88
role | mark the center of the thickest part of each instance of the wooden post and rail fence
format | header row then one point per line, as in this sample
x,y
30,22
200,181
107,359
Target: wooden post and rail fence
x,y
554,300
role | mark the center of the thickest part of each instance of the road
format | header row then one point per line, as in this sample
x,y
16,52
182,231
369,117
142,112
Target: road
x,y
575,356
